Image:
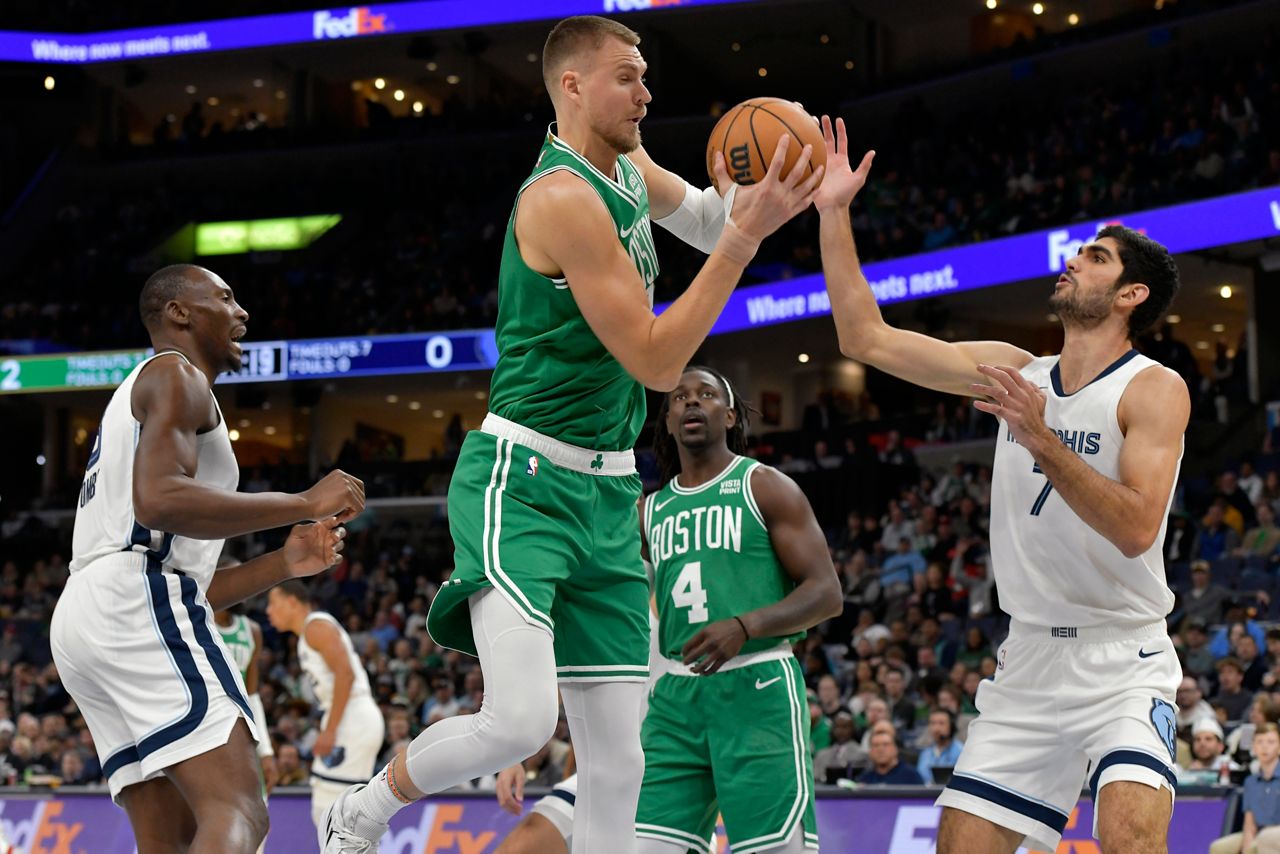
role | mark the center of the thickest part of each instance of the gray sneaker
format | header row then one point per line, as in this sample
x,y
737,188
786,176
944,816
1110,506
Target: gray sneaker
x,y
337,833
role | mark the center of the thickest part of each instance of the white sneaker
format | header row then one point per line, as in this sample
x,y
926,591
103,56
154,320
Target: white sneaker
x,y
337,834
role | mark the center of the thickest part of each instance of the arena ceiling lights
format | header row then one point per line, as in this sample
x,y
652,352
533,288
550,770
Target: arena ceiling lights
x,y
320,25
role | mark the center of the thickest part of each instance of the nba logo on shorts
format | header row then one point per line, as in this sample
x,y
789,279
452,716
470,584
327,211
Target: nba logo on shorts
x,y
532,468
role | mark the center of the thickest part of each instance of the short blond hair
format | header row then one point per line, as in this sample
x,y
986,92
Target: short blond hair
x,y
572,36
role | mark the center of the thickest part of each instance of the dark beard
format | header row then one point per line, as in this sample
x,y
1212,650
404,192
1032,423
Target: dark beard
x,y
1082,314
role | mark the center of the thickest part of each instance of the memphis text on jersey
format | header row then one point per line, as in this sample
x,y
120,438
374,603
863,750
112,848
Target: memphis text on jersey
x,y
1077,440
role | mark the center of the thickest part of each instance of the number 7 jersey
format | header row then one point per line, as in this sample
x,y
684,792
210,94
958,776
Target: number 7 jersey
x,y
712,557
1050,567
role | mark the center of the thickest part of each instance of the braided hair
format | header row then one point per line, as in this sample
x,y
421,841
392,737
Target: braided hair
x,y
664,444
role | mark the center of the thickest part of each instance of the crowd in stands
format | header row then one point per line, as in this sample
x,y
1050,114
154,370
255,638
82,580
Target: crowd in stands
x,y
892,680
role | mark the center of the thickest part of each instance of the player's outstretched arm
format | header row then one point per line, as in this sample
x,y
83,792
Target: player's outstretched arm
x,y
563,228
171,401
801,548
1153,415
862,332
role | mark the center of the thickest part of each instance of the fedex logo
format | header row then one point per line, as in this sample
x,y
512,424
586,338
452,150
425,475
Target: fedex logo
x,y
638,5
1062,247
357,21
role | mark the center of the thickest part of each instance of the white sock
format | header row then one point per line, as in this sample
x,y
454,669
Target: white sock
x,y
604,721
374,804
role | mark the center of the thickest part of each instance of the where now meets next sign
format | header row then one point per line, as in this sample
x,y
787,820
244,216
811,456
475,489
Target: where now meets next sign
x,y
1042,254
302,27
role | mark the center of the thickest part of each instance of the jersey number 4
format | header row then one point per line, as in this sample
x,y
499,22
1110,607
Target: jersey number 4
x,y
689,593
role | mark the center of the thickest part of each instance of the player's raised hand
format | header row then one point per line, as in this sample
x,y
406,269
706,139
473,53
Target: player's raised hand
x,y
337,494
708,650
761,209
842,183
511,789
313,546
1010,396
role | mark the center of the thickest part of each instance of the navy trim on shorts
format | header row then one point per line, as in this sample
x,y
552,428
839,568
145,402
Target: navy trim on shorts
x,y
343,780
211,651
126,755
1047,816
182,656
1130,757
568,797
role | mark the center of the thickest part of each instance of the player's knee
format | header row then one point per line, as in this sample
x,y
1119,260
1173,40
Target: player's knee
x,y
521,728
1136,834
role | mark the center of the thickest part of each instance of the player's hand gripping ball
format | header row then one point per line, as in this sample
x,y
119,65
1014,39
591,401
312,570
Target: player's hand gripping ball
x,y
748,133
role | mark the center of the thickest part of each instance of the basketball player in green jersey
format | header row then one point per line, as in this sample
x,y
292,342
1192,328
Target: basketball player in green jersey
x,y
548,583
741,571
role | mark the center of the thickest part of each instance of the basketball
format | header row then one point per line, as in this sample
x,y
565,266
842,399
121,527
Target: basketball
x,y
749,132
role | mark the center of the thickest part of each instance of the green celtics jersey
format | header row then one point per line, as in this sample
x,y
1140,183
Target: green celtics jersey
x,y
553,375
712,557
238,639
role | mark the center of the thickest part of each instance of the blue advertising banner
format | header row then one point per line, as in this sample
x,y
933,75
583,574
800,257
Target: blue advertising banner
x,y
1182,228
302,27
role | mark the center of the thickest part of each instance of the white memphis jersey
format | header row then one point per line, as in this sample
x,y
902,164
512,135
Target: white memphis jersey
x,y
317,669
105,523
1050,567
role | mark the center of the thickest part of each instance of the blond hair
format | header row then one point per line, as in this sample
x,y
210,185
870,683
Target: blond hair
x,y
573,36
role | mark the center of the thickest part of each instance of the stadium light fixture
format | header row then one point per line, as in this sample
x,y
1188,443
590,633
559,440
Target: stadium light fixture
x,y
49,83
1037,8
1225,292
379,83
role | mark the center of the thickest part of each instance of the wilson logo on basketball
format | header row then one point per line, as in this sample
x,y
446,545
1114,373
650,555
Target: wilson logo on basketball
x,y
740,164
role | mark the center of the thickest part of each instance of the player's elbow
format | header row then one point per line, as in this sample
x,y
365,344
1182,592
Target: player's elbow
x,y
1137,544
831,601
149,510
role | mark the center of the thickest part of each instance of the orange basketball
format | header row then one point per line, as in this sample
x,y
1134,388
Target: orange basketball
x,y
749,132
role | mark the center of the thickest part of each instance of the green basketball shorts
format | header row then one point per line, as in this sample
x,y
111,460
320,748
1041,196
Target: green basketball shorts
x,y
734,743
554,529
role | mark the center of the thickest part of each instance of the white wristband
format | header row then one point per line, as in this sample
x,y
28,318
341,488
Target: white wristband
x,y
700,218
260,721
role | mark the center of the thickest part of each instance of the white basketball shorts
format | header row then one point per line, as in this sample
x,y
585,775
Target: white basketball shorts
x,y
354,757
557,806
1068,705
136,648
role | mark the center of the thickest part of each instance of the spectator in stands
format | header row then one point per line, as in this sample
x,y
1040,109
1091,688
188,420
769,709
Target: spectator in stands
x,y
289,765
1199,659
829,696
862,589
1216,539
946,747
1255,666
902,710
1204,602
900,569
1179,538
1250,483
842,755
1262,539
886,768
895,528
1261,801
877,712
1191,705
1240,741
1229,490
938,600
1231,694
1208,755
443,703
819,725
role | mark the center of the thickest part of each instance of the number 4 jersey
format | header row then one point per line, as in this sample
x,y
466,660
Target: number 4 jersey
x,y
712,557
1051,568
